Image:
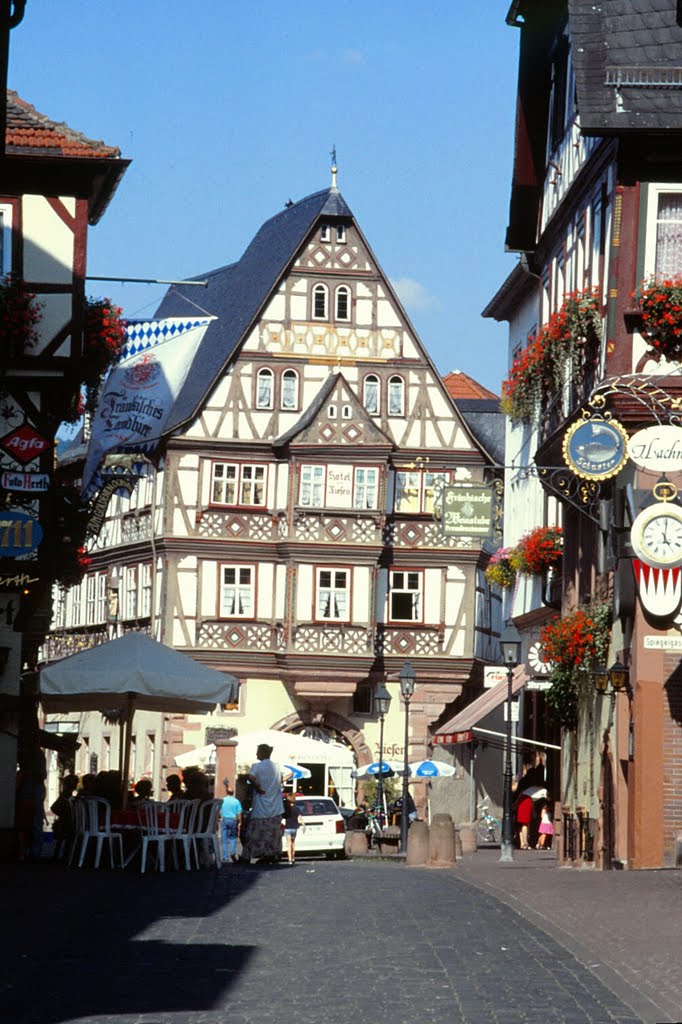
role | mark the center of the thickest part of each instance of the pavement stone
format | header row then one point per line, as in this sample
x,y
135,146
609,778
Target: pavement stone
x,y
322,942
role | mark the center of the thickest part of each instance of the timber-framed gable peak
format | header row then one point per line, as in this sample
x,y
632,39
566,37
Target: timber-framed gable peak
x,y
335,417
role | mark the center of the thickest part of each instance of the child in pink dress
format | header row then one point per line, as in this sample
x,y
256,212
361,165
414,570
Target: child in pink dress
x,y
546,830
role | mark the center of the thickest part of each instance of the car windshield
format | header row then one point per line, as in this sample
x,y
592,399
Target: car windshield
x,y
316,806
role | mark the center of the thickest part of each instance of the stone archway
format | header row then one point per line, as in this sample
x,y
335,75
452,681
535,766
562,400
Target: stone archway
x,y
331,720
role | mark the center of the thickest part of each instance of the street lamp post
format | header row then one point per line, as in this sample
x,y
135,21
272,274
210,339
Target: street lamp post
x,y
510,642
382,702
408,680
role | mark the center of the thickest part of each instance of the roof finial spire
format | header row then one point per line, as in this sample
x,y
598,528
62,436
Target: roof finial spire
x,y
334,168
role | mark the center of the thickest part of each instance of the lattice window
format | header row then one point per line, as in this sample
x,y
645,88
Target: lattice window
x,y
366,487
333,588
237,591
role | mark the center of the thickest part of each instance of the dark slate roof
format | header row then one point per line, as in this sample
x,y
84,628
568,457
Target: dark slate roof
x,y
635,40
486,423
236,294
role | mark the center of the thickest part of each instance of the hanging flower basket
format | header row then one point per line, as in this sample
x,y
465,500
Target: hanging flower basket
x,y
540,368
20,314
538,551
104,335
573,645
660,303
499,571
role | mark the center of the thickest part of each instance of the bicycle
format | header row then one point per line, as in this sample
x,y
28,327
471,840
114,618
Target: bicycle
x,y
488,828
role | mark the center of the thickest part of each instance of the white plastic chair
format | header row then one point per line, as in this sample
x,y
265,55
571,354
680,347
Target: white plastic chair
x,y
184,834
186,812
97,826
206,832
79,822
153,818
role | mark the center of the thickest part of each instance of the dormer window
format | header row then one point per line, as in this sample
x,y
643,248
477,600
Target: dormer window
x,y
325,233
340,233
320,302
343,302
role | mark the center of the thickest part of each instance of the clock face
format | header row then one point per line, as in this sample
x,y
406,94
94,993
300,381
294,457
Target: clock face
x,y
657,536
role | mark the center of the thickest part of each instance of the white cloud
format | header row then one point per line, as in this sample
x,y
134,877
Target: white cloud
x,y
353,57
414,295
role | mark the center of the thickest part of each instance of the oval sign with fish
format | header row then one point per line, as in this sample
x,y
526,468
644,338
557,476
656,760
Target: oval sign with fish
x,y
657,448
596,449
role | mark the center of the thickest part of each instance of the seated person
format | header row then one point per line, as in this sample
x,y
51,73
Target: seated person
x,y
143,792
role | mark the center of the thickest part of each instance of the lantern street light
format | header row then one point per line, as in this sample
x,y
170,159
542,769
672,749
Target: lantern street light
x,y
408,680
382,702
510,642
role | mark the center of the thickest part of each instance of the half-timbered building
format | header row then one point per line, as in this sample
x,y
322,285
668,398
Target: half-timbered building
x,y
290,534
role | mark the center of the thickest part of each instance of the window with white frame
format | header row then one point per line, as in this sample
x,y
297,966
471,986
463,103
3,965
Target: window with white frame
x,y
145,590
59,610
235,483
417,490
669,235
76,595
340,233
320,302
312,489
289,399
405,596
365,487
5,240
101,600
325,233
130,592
264,388
237,583
333,594
370,394
396,396
343,302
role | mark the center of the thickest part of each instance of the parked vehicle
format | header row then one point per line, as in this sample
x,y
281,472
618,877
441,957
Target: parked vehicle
x,y
325,828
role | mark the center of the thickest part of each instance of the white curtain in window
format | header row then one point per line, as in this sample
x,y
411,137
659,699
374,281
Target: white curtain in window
x,y
669,235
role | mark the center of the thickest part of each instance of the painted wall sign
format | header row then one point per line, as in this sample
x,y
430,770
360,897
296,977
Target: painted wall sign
x,y
467,511
24,444
19,534
492,675
658,448
595,449
35,482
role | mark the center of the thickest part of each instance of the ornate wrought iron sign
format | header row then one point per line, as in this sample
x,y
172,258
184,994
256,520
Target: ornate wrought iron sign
x,y
657,448
467,511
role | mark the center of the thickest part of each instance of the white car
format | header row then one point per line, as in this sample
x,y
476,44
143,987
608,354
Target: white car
x,y
325,828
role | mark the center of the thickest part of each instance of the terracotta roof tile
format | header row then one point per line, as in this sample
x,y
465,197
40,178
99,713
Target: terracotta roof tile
x,y
459,385
30,132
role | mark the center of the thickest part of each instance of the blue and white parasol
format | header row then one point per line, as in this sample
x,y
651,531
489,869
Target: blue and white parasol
x,y
296,771
430,769
371,771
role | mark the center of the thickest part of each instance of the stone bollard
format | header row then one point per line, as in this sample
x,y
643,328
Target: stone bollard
x,y
417,844
468,839
356,843
442,841
458,845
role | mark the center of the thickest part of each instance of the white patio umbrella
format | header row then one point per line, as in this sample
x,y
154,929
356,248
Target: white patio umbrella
x,y
372,771
430,769
134,672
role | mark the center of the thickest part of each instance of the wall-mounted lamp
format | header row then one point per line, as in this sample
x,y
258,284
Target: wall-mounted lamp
x,y
618,676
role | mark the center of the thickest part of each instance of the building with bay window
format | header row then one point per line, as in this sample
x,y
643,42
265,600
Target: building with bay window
x,y
290,532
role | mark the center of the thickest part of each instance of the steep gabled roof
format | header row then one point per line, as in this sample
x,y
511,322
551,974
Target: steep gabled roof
x,y
625,52
461,385
30,132
237,293
363,430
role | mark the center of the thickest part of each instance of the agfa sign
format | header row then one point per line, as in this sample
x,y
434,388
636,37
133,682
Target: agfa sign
x,y
24,444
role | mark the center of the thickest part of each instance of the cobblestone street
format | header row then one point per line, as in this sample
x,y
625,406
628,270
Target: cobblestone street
x,y
322,942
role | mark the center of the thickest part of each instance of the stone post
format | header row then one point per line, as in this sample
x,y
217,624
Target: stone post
x,y
417,844
442,841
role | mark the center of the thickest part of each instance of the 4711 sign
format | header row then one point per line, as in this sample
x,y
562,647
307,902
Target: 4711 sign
x,y
19,534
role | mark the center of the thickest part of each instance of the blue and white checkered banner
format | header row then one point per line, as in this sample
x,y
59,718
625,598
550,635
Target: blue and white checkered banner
x,y
137,396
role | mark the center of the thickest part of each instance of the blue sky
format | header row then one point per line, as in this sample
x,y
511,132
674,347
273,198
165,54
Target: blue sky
x,y
228,109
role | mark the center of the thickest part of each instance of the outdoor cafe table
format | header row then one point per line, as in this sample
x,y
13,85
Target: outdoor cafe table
x,y
129,823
